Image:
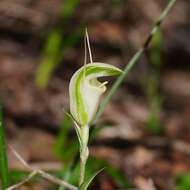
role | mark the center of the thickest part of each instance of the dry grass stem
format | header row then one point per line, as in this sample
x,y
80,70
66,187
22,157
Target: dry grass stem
x,y
35,171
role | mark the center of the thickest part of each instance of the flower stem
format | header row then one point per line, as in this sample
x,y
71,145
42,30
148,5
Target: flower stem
x,y
83,151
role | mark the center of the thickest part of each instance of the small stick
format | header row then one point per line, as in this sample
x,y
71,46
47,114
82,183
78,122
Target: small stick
x,y
38,171
29,177
56,180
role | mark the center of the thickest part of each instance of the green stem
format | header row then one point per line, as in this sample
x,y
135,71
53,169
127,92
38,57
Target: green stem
x,y
135,58
84,132
3,155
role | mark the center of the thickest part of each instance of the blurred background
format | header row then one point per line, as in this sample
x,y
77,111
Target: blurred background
x,y
143,135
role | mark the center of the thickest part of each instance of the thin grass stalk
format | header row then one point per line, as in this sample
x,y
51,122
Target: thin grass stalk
x,y
3,155
134,60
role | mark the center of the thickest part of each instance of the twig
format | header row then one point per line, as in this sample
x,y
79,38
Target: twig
x,y
134,59
56,180
40,172
19,157
29,177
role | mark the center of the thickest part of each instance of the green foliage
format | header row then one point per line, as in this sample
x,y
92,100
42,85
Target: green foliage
x,y
18,175
4,172
183,182
68,9
50,58
66,174
156,47
65,143
70,171
154,125
117,175
56,45
152,83
71,175
118,2
88,181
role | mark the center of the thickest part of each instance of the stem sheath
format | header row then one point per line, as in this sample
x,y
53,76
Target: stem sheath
x,y
84,132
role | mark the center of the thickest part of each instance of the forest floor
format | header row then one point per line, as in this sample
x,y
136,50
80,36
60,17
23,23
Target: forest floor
x,y
148,154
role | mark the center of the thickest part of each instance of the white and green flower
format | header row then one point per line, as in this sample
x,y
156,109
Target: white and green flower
x,y
85,90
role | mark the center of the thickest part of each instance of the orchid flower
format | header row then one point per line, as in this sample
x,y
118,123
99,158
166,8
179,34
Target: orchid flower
x,y
85,90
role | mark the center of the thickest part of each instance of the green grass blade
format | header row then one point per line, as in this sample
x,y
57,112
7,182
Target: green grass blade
x,y
50,58
117,175
56,44
69,7
135,58
54,50
62,138
119,80
88,181
3,155
183,181
151,84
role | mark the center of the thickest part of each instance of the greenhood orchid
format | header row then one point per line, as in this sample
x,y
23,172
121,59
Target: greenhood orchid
x,y
85,90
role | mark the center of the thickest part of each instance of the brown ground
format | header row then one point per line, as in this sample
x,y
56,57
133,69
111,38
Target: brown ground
x,y
32,115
